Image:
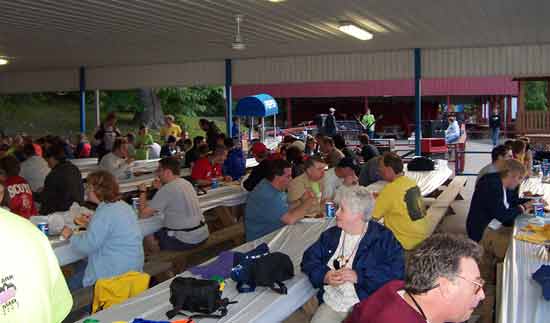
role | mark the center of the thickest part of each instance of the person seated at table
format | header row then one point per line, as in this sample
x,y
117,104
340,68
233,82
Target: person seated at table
x,y
235,163
131,139
311,146
209,166
370,172
63,185
19,193
260,171
113,240
192,154
452,134
142,143
341,175
332,154
518,150
295,156
267,207
33,288
170,128
310,182
34,169
528,155
83,147
340,144
368,150
499,154
442,284
184,145
352,260
492,201
117,162
184,226
400,204
169,149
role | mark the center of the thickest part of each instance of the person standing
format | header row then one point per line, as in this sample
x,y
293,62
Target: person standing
x,y
170,128
330,123
495,124
212,131
105,136
369,121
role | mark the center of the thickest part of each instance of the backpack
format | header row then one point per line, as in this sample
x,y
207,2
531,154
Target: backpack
x,y
421,164
259,267
197,296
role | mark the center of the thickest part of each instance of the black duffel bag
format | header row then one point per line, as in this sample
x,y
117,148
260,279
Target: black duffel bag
x,y
197,296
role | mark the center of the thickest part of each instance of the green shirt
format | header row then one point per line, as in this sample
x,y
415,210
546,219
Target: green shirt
x,y
34,289
142,146
368,120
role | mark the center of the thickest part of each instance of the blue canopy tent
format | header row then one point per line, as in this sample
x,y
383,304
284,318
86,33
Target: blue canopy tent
x,y
261,106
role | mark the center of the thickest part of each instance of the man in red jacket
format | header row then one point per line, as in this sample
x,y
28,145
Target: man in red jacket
x,y
18,190
442,284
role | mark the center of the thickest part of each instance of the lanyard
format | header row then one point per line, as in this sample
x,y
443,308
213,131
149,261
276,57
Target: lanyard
x,y
417,306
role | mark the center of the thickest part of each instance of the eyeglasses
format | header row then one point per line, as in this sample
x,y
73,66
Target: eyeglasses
x,y
479,285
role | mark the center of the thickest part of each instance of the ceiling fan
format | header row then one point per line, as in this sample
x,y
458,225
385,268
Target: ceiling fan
x,y
237,43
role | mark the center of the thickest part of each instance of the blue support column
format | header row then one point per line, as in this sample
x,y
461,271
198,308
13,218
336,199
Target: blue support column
x,y
82,99
418,101
229,97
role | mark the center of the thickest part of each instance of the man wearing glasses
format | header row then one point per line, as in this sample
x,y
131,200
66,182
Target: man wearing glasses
x,y
442,284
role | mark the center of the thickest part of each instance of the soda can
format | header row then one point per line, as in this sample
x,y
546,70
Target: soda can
x,y
215,183
330,209
43,226
538,209
135,204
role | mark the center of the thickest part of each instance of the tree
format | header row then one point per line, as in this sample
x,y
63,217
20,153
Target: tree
x,y
152,114
535,95
193,101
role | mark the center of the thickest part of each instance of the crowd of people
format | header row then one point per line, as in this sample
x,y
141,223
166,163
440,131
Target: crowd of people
x,y
379,263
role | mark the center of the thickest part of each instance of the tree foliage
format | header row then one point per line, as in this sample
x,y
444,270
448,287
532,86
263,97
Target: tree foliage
x,y
192,101
122,101
535,95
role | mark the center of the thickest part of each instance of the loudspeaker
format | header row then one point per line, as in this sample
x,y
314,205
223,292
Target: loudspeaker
x,y
433,129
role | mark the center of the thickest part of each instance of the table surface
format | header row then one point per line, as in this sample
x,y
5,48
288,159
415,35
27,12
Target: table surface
x,y
230,195
263,305
521,297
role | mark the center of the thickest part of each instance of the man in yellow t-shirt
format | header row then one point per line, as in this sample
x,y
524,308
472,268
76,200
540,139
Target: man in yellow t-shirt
x,y
311,181
32,287
400,204
170,128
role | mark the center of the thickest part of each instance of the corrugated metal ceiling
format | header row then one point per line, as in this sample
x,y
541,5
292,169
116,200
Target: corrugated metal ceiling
x,y
53,34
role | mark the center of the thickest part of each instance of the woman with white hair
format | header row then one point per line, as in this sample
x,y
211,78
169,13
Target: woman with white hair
x,y
353,259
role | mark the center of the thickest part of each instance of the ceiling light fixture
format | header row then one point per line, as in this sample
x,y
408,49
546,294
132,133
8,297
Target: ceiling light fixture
x,y
353,30
3,61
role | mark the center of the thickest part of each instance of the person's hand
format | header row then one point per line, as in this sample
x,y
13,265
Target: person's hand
x,y
227,178
82,220
156,183
129,160
348,275
142,187
67,232
309,199
350,180
333,278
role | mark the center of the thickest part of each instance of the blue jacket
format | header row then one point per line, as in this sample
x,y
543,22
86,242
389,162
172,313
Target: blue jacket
x,y
379,259
235,164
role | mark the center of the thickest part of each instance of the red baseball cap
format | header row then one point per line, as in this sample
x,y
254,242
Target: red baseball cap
x,y
258,148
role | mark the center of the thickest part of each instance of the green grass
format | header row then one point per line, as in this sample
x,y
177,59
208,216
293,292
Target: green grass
x,y
62,117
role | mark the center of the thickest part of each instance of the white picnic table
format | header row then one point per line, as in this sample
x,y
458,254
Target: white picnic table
x,y
262,305
521,296
230,195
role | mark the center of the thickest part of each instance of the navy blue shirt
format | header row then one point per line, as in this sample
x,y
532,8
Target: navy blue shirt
x,y
264,208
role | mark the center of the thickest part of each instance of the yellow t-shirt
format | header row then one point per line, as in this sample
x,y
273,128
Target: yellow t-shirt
x,y
296,189
173,130
400,204
32,287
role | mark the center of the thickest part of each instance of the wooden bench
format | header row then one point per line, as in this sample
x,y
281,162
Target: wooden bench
x,y
84,297
233,234
439,208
